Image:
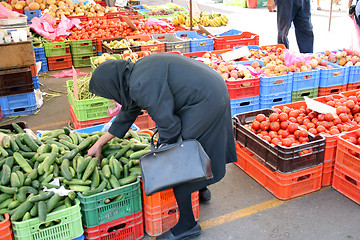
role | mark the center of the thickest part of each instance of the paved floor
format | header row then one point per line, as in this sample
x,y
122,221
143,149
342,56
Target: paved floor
x,y
241,208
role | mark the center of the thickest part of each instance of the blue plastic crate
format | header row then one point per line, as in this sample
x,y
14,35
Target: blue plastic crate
x,y
353,73
99,53
201,44
306,80
39,53
141,8
333,77
44,65
19,104
267,101
31,14
230,32
244,105
36,82
278,84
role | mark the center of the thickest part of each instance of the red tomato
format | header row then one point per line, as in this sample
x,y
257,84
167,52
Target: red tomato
x,y
285,134
294,113
340,109
329,98
286,142
267,138
297,134
283,117
310,125
312,131
275,141
331,103
303,139
273,117
334,131
275,126
284,125
300,119
306,121
350,104
344,117
329,117
320,129
292,128
261,117
292,119
353,140
304,133
255,125
356,109
353,98
337,120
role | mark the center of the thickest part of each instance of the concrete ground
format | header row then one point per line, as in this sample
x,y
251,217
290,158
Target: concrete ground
x,y
240,207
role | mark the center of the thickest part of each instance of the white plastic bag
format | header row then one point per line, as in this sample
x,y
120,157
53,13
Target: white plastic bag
x,y
355,36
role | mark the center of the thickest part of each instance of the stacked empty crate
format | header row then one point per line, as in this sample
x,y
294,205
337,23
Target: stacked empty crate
x,y
286,172
82,51
58,55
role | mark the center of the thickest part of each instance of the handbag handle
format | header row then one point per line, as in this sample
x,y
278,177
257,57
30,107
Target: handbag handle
x,y
152,145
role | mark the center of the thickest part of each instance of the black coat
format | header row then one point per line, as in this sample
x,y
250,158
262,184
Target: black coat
x,y
182,95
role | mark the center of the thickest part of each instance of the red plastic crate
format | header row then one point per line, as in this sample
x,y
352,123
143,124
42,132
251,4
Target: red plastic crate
x,y
343,155
97,17
33,70
350,93
327,174
144,121
324,91
243,39
59,62
132,17
347,182
83,124
282,186
102,3
129,227
153,48
5,229
353,86
82,18
243,88
161,211
273,46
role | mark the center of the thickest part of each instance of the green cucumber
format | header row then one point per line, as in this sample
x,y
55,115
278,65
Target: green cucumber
x,y
23,191
79,188
127,180
68,144
70,155
6,141
138,154
14,204
104,162
114,182
52,202
42,210
21,177
33,174
49,161
99,189
72,195
84,144
4,196
13,145
34,210
3,152
30,142
35,183
5,203
77,182
22,162
74,138
14,180
27,216
83,164
65,137
21,210
90,168
106,171
19,139
17,128
95,179
65,169
5,175
10,161
41,197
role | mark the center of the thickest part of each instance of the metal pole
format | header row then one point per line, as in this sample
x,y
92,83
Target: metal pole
x,y
191,25
330,13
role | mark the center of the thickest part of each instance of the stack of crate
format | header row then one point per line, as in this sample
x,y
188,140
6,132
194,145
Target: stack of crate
x,y
353,75
82,51
41,57
305,84
286,172
333,81
58,55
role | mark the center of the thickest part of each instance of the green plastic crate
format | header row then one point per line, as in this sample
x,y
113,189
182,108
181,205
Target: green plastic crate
x,y
83,46
261,3
55,49
88,109
95,212
297,96
92,59
82,59
70,226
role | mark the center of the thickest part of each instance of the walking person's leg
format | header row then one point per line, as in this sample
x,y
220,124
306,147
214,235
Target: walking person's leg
x,y
303,26
284,18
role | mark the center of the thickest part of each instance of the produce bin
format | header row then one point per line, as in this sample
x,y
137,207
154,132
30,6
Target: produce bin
x,y
347,182
16,81
83,46
282,186
297,96
324,91
19,104
92,59
39,53
31,14
59,62
36,82
5,229
244,105
153,48
144,121
343,154
267,101
278,84
106,49
128,227
173,43
44,65
243,39
161,211
197,41
333,77
353,86
55,49
69,226
84,124
243,88
96,212
305,80
353,74
89,109
82,59
279,158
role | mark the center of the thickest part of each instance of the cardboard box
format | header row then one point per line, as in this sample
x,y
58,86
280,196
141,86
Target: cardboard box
x,y
15,55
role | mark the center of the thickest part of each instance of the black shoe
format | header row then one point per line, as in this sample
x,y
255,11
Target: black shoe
x,y
193,232
204,195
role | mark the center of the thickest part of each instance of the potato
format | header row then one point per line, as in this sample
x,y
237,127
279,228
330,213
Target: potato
x,y
34,6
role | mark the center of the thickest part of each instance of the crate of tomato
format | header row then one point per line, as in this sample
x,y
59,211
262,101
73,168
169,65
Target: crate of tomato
x,y
287,154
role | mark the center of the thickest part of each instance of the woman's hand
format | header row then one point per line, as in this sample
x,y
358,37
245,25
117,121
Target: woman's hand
x,y
270,4
95,150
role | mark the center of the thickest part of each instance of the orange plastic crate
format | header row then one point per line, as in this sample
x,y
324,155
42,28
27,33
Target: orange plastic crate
x,y
282,186
153,48
5,229
347,182
350,93
96,18
265,47
344,157
243,88
59,62
324,91
144,121
84,124
231,41
353,86
33,70
161,211
129,227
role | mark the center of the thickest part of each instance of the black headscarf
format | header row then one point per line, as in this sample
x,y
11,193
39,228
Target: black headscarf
x,y
110,80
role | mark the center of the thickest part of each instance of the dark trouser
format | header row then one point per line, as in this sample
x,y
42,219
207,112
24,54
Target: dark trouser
x,y
186,218
298,12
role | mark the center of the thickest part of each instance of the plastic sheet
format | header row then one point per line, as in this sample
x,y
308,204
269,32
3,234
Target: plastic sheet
x,y
6,13
69,73
291,57
153,21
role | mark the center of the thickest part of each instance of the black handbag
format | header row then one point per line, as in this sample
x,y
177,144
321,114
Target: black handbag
x,y
173,164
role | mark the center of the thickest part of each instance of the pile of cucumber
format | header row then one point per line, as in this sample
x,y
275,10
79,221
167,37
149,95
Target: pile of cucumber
x,y
27,165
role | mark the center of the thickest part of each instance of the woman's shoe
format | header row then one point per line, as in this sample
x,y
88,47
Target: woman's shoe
x,y
204,195
192,232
